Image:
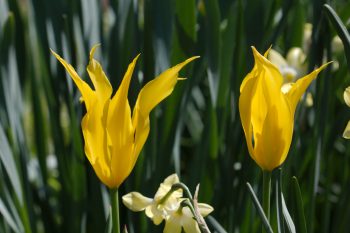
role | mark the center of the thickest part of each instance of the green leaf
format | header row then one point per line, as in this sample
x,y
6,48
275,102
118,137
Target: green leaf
x,y
7,159
300,217
7,35
341,30
215,224
260,210
8,218
287,217
108,228
213,46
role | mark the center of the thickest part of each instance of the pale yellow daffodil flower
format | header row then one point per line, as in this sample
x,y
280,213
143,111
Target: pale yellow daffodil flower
x,y
267,113
113,135
346,133
167,207
156,209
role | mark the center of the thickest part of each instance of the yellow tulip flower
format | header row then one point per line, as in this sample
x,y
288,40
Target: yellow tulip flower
x,y
267,112
113,136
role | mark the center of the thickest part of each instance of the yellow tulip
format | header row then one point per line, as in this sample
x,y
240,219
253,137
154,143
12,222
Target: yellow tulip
x,y
267,112
113,135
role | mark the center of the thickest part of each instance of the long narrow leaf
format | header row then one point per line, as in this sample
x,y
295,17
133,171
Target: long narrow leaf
x,y
260,210
341,30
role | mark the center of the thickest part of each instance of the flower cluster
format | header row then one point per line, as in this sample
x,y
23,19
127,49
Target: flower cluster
x,y
168,205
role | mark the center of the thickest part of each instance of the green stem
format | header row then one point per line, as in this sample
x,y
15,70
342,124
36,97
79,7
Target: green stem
x,y
115,210
266,193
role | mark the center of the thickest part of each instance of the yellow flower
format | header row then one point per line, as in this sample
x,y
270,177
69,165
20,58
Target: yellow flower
x,y
183,218
168,208
267,113
113,135
346,133
156,209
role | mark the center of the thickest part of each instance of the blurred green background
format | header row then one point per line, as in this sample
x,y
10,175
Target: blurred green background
x,y
47,184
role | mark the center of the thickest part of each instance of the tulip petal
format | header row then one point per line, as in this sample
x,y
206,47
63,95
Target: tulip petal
x,y
87,93
274,141
300,86
119,126
136,201
96,142
247,90
101,83
151,95
346,133
268,87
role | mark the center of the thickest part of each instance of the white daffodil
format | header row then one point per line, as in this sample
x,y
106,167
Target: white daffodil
x,y
158,208
183,218
291,68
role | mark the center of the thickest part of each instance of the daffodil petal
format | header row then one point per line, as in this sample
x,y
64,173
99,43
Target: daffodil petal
x,y
276,58
136,201
151,95
347,96
172,225
300,86
346,133
166,186
87,93
190,225
205,209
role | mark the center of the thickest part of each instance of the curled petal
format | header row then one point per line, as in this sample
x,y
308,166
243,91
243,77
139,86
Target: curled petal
x,y
205,209
151,95
101,83
87,93
136,201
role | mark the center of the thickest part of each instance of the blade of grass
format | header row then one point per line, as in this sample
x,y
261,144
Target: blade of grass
x,y
259,209
341,30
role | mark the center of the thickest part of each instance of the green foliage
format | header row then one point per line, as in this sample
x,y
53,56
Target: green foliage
x,y
48,185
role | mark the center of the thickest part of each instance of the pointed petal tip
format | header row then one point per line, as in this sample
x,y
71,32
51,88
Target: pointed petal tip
x,y
256,53
136,58
191,59
55,54
92,52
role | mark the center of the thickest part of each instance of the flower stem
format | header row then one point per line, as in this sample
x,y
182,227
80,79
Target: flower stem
x,y
266,193
115,210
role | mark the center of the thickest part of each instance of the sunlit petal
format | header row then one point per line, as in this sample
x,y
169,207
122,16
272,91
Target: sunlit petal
x,y
136,201
300,86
